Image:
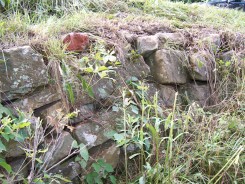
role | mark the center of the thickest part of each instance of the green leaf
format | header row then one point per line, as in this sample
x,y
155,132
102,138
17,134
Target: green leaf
x,y
86,86
135,109
2,147
62,178
84,152
69,90
142,180
39,160
108,167
110,134
90,91
74,144
113,179
91,177
21,125
168,121
102,68
118,137
88,70
228,63
97,167
6,111
6,166
83,164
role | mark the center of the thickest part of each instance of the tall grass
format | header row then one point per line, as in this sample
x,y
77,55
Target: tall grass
x,y
193,146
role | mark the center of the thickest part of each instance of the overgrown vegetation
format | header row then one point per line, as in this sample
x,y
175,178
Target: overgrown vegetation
x,y
180,145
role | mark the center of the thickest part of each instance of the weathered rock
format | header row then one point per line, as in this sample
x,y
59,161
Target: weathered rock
x,y
138,68
69,169
85,112
76,41
53,115
13,148
129,37
44,96
168,66
20,168
196,93
21,71
211,41
146,45
90,134
166,94
201,66
237,59
59,149
171,40
102,90
107,151
93,132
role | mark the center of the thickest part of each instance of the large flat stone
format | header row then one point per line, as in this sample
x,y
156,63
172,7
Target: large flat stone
x,y
42,97
168,66
21,70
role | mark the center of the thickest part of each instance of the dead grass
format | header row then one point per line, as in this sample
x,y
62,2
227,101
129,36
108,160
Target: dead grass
x,y
19,29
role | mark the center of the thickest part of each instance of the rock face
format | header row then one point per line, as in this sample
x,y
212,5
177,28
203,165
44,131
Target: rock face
x,y
161,66
21,71
168,66
201,66
167,93
76,41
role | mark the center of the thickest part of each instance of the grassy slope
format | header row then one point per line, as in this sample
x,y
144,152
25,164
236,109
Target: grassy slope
x,y
17,28
214,140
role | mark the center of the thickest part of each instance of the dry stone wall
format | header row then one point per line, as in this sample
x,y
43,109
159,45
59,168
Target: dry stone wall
x,y
165,63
